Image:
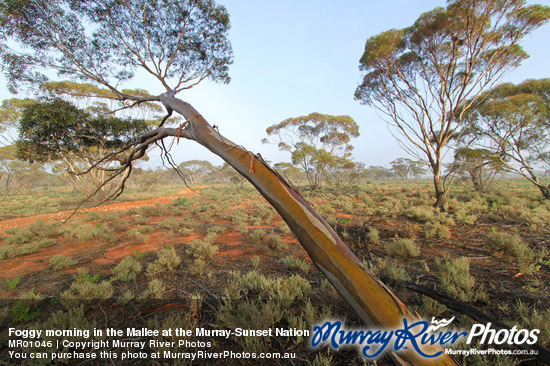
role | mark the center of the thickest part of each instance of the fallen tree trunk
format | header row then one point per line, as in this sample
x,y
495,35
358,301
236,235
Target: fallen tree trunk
x,y
541,353
374,303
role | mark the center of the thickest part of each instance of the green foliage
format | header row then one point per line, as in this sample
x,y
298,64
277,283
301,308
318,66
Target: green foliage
x,y
87,232
291,261
276,300
529,259
534,318
181,202
72,318
61,261
19,236
276,243
255,262
406,248
12,283
30,297
436,230
396,272
404,168
22,313
125,297
86,292
420,213
265,212
7,251
149,180
138,255
171,223
155,290
167,261
16,176
127,269
43,229
429,307
214,230
504,242
154,211
257,234
456,279
197,268
137,234
322,360
83,275
510,122
420,77
239,217
480,166
202,249
315,141
373,236
196,171
82,146
42,42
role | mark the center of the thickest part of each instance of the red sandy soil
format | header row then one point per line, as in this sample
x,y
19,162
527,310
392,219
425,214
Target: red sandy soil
x,y
104,253
122,206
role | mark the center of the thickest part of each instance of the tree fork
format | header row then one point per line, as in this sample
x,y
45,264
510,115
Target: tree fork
x,y
374,303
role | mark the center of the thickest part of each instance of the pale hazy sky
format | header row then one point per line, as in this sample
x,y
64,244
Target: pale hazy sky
x,y
295,57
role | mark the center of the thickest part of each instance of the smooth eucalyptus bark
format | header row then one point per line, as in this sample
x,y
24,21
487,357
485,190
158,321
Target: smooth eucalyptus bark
x,y
441,201
375,304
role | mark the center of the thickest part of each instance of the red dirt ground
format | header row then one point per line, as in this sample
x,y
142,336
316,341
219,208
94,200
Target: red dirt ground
x,y
63,215
104,253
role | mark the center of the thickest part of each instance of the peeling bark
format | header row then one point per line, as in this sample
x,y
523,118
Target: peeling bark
x,y
375,304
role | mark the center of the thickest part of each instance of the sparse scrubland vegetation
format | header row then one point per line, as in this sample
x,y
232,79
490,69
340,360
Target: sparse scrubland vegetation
x,y
218,256
499,263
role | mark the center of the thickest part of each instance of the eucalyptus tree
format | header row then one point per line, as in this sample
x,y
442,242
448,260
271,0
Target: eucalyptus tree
x,y
180,43
79,146
316,142
15,175
480,166
405,168
378,172
98,100
88,111
345,172
289,171
10,112
512,123
420,76
196,171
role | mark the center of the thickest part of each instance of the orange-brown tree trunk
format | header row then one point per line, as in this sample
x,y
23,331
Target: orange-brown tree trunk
x,y
375,304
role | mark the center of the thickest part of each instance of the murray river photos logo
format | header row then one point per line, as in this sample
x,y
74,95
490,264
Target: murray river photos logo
x,y
374,342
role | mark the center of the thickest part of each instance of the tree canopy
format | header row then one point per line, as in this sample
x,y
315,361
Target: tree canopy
x,y
103,43
480,166
196,171
10,112
180,43
405,168
420,76
50,128
513,123
86,149
314,141
15,175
